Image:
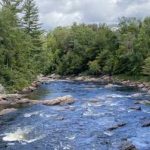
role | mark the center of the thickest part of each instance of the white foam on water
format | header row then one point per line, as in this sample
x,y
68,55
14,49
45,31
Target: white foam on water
x,y
18,135
106,121
97,104
35,139
136,95
27,115
11,144
146,111
121,108
72,137
111,85
114,104
90,112
130,110
67,147
109,133
39,113
43,115
115,96
21,135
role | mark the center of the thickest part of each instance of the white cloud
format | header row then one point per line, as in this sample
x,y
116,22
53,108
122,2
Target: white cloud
x,y
64,12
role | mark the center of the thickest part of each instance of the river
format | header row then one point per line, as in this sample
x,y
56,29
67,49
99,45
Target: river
x,y
85,125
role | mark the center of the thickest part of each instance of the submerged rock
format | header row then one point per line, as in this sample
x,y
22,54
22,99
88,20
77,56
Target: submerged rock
x,y
94,101
127,146
60,118
116,126
146,123
7,111
136,108
145,102
59,101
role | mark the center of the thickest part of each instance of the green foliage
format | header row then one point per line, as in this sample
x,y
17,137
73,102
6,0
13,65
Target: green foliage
x,y
146,67
96,49
21,60
94,67
92,49
30,18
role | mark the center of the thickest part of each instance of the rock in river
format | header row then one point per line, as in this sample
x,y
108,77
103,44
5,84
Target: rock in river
x,y
136,108
146,123
7,111
59,101
127,146
116,126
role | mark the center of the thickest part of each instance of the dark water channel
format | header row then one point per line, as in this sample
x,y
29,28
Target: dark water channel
x,y
83,125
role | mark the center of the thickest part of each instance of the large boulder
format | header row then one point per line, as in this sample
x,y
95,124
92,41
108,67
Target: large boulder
x,y
12,97
59,101
4,103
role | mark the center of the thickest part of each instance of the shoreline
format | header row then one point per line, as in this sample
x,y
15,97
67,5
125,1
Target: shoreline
x,y
10,102
143,86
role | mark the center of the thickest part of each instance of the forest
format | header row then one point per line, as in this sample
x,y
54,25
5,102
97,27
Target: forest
x,y
26,50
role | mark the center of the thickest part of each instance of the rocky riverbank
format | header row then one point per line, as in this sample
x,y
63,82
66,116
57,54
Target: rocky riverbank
x,y
143,86
10,102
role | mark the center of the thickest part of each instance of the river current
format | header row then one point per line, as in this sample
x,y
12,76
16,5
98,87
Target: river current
x,y
84,125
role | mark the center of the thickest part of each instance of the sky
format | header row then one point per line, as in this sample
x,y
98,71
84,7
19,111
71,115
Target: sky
x,y
55,13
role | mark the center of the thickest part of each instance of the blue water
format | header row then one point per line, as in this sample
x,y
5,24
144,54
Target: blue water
x,y
80,126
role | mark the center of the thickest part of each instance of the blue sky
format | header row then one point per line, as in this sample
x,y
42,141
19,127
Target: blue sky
x,y
54,13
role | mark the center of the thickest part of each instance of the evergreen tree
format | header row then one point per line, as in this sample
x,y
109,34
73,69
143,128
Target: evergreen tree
x,y
31,19
14,5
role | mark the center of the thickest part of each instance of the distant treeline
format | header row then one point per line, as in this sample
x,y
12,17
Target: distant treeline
x,y
94,49
99,49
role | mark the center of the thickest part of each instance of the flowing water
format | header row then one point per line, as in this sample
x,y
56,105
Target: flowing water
x,y
80,126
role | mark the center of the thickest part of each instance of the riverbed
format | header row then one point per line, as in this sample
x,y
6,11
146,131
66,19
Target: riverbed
x,y
103,117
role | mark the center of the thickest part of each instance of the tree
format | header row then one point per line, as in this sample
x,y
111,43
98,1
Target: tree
x,y
20,60
31,19
94,67
146,67
14,5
